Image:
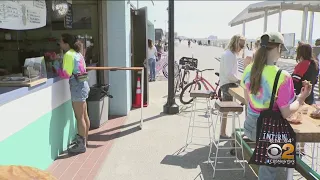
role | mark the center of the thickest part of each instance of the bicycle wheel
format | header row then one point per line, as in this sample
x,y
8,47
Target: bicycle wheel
x,y
186,77
165,69
177,83
185,93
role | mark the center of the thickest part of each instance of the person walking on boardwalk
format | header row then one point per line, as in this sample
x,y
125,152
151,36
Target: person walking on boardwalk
x,y
229,75
258,80
152,54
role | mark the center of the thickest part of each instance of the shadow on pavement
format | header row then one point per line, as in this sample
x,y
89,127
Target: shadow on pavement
x,y
106,135
194,158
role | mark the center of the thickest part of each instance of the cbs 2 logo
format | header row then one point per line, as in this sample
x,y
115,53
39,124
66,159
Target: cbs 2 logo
x,y
274,151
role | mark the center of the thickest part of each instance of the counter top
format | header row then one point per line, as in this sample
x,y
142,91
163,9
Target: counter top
x,y
8,94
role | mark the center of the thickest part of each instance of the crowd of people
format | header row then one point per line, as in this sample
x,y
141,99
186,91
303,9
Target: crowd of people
x,y
258,79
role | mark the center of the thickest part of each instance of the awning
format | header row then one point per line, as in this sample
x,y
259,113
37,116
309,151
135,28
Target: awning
x,y
287,5
256,11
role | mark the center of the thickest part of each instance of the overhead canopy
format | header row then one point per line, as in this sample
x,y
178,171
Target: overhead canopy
x,y
256,11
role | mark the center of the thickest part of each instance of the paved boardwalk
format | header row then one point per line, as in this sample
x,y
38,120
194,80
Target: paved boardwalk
x,y
154,153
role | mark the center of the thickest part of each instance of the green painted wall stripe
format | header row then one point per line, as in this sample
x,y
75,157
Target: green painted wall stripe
x,y
39,143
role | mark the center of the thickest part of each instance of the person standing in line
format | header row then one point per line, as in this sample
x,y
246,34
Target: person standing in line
x,y
258,80
151,56
229,75
306,69
74,69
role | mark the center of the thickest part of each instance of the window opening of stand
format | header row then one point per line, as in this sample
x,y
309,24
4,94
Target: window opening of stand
x,y
81,19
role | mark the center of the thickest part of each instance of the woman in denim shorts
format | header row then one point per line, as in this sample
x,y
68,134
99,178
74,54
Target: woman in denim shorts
x,y
74,69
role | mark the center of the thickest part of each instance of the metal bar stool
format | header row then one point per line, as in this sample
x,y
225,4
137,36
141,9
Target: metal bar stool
x,y
197,96
224,108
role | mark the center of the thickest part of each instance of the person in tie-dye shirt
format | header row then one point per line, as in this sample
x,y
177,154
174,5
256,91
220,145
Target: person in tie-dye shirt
x,y
257,81
73,68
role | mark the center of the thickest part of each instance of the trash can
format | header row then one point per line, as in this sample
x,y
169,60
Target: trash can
x,y
98,105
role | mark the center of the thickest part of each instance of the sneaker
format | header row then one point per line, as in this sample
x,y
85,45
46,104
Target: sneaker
x,y
79,147
74,141
224,137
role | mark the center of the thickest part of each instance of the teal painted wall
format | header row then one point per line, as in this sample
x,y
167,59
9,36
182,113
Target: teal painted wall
x,y
119,54
39,143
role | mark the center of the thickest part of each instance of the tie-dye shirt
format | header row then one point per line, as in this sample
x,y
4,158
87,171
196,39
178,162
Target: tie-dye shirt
x,y
73,63
285,90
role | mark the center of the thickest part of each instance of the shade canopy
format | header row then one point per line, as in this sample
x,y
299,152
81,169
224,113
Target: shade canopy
x,y
257,10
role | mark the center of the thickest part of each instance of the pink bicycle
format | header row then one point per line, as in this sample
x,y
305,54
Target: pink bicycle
x,y
197,83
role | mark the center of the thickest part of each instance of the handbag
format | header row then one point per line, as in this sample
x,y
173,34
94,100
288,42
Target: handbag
x,y
275,138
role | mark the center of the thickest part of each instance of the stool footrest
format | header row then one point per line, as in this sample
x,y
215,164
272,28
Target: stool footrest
x,y
230,147
235,169
202,126
200,137
223,157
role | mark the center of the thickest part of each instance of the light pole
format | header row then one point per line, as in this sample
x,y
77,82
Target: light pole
x,y
171,107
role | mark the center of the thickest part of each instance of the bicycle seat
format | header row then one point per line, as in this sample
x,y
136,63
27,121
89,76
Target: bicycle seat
x,y
216,73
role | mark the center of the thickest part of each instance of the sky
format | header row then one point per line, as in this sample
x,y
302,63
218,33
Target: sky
x,y
200,19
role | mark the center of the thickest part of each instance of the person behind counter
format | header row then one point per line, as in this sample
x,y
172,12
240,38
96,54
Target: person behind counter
x,y
74,69
3,72
258,79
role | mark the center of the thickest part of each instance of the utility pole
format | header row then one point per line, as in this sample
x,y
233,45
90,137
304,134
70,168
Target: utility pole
x,y
171,107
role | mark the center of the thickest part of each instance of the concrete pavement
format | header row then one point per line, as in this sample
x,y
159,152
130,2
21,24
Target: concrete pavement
x,y
154,153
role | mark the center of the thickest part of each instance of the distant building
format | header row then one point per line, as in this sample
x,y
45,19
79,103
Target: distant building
x,y
213,37
159,34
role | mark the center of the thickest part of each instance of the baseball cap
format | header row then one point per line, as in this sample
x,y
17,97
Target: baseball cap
x,y
274,37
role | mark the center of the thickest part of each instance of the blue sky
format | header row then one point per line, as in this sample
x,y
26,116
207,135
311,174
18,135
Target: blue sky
x,y
200,19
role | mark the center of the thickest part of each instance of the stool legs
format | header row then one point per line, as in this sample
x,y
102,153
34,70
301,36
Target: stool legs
x,y
192,126
216,142
191,121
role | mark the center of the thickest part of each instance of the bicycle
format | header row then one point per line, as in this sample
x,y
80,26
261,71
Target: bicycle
x,y
162,65
187,64
182,78
196,84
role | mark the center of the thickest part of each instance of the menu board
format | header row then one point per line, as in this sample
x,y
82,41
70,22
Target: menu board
x,y
22,14
68,19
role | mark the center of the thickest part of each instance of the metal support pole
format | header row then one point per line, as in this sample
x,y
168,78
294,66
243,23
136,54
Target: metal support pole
x,y
311,27
265,22
304,24
171,107
280,19
244,28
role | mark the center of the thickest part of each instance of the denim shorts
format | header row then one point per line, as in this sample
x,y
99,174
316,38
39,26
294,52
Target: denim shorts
x,y
250,127
79,90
